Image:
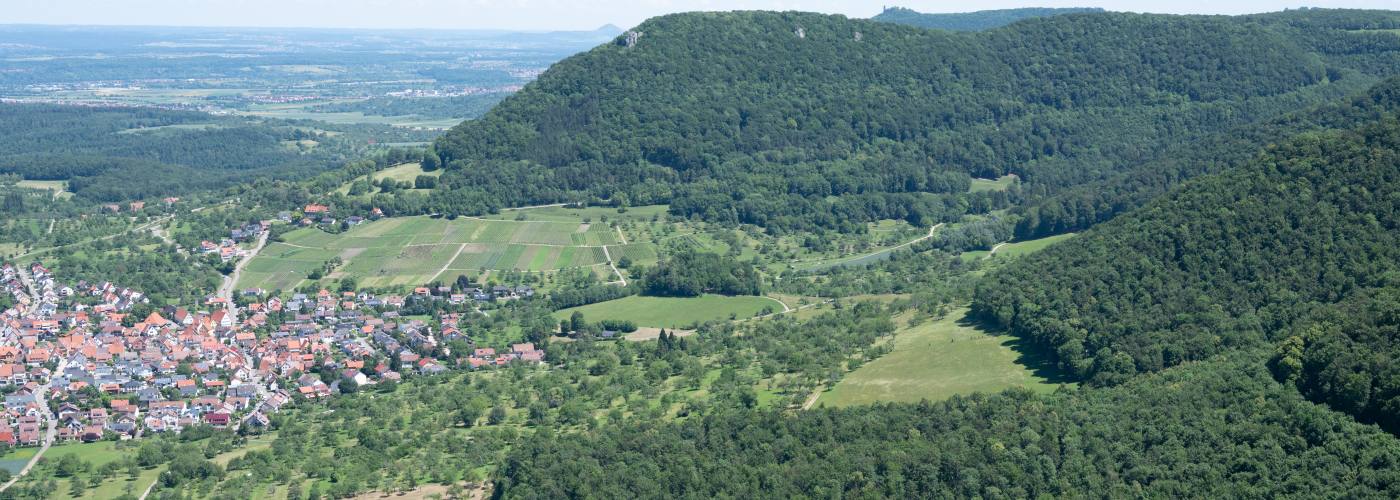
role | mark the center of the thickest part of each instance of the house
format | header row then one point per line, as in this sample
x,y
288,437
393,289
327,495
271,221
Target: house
x,y
137,206
316,209
217,419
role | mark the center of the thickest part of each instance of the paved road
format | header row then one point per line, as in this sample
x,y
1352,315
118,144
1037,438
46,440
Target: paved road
x,y
226,289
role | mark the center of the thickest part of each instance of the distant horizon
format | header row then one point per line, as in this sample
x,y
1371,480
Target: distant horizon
x,y
538,16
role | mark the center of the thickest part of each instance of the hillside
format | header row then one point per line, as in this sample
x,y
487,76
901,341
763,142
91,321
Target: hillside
x,y
1220,430
1197,287
1225,262
973,21
823,121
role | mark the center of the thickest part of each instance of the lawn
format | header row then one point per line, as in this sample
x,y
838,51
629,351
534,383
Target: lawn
x,y
673,312
938,359
98,453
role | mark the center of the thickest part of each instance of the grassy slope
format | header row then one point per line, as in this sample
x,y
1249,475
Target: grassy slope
x,y
672,312
936,360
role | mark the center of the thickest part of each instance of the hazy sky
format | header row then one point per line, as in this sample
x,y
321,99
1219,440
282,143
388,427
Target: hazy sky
x,y
542,14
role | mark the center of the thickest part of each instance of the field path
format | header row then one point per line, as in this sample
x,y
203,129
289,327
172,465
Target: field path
x,y
534,206
882,250
620,280
449,262
812,400
620,236
994,250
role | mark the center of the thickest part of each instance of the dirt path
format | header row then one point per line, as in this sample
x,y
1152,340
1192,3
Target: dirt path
x,y
994,250
149,488
460,248
811,400
230,281
620,280
882,250
533,206
620,236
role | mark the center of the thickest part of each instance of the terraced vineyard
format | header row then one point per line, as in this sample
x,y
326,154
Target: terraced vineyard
x,y
411,251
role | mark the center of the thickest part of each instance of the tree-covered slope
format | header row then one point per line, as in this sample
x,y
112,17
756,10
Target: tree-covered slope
x,y
1220,429
1080,207
797,120
1348,356
973,21
1224,262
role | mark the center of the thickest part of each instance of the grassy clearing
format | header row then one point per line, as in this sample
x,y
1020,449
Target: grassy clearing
x,y
59,188
1015,249
404,172
1020,248
999,184
938,359
673,312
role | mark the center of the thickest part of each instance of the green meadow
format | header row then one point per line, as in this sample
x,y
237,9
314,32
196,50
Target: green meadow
x,y
937,359
673,312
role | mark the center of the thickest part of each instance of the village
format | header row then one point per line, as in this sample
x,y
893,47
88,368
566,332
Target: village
x,y
93,361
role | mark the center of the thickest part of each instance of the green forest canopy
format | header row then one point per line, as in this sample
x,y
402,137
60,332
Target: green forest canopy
x,y
827,122
973,21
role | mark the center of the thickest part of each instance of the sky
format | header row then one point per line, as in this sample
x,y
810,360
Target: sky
x,y
543,14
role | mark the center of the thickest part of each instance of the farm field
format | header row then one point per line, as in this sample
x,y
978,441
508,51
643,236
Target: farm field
x,y
412,251
673,312
936,360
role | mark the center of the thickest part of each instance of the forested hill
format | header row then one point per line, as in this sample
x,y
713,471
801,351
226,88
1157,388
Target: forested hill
x,y
792,120
973,21
1228,261
1220,429
1293,253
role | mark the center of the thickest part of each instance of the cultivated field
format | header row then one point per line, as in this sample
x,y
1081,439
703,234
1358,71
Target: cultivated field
x,y
412,251
936,360
673,312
